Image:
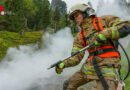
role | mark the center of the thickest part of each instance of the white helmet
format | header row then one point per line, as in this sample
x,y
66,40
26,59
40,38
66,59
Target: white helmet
x,y
84,8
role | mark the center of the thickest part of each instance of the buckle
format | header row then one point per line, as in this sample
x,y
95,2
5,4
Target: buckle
x,y
97,52
100,51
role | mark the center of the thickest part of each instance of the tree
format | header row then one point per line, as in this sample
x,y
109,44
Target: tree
x,y
61,4
59,9
42,17
56,17
45,20
1,2
29,11
15,23
64,21
16,20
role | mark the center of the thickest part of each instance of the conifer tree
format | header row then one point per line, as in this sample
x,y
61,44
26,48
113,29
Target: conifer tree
x,y
56,17
15,20
42,17
45,19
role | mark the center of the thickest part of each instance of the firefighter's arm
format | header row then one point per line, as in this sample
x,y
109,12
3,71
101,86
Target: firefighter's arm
x,y
73,61
117,28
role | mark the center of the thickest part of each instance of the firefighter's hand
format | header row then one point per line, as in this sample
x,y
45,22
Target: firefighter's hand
x,y
59,68
100,39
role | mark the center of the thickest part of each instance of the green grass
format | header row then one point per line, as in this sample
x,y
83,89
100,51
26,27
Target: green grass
x,y
11,39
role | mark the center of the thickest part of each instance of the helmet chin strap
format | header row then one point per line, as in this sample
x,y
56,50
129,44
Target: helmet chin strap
x,y
85,15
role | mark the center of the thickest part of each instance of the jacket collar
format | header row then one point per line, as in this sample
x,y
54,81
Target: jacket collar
x,y
87,22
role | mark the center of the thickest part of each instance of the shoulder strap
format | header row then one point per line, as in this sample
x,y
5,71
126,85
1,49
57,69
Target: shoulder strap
x,y
83,37
97,24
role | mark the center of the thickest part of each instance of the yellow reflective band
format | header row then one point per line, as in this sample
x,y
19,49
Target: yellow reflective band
x,y
115,33
105,71
115,23
75,49
118,22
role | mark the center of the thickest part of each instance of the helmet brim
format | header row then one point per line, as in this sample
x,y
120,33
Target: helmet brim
x,y
71,16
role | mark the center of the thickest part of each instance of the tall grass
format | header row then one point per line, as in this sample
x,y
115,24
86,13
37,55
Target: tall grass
x,y
11,39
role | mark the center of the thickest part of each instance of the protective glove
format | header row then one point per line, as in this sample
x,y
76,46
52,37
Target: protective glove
x,y
59,68
100,39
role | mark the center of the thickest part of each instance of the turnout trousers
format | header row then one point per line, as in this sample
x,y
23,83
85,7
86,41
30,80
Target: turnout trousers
x,y
80,78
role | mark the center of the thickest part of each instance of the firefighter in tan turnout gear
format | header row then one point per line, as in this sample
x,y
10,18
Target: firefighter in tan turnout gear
x,y
104,59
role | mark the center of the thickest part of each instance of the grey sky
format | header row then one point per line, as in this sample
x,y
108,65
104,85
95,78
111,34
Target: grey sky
x,y
70,3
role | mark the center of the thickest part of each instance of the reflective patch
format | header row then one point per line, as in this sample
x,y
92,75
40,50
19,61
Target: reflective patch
x,y
75,49
115,30
115,33
119,21
105,71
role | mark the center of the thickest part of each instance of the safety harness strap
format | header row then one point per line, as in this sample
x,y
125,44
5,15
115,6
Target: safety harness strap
x,y
83,37
96,67
99,74
97,24
91,35
101,51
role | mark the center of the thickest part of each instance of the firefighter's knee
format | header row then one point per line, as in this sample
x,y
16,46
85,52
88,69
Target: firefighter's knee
x,y
65,85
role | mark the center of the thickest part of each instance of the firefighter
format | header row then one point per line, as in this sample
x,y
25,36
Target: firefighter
x,y
104,58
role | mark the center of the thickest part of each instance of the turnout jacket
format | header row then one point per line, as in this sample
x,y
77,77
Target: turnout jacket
x,y
113,28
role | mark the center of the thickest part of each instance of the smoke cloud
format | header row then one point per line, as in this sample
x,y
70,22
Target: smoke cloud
x,y
26,68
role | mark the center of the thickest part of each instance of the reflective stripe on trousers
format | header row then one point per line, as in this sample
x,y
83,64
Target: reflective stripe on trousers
x,y
105,71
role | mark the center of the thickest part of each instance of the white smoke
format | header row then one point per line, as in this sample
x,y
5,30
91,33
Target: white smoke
x,y
26,68
114,7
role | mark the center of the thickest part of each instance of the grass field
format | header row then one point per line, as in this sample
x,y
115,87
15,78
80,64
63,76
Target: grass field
x,y
11,39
